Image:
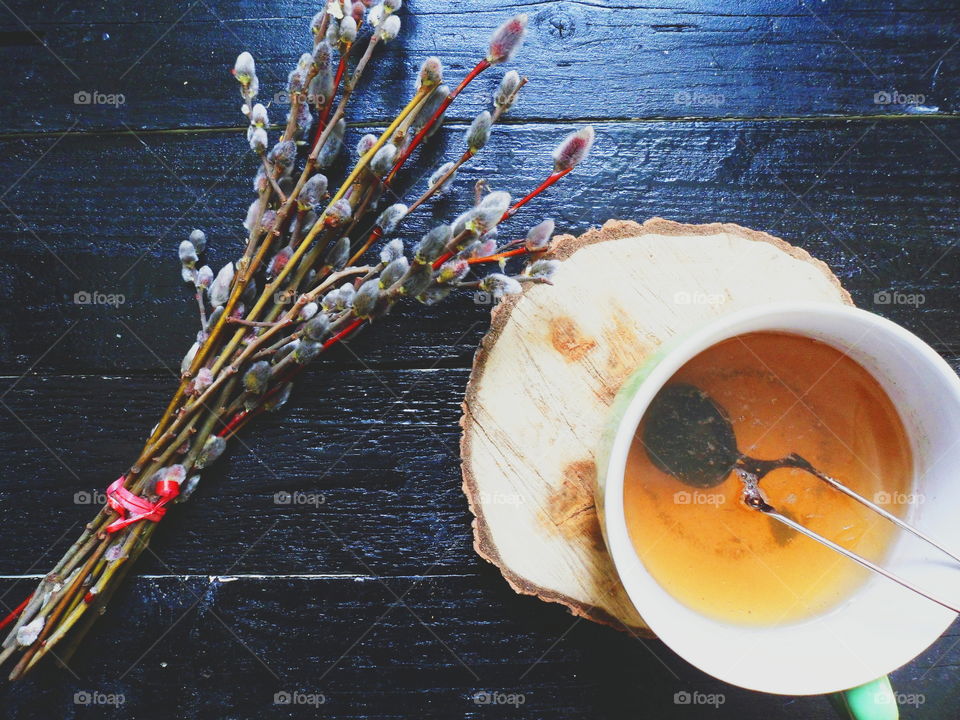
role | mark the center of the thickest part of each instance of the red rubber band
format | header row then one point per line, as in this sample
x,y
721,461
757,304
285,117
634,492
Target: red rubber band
x,y
122,501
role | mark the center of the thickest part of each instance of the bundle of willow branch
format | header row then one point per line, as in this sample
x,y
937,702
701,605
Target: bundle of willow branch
x,y
299,287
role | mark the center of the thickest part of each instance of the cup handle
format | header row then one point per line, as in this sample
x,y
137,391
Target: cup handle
x,y
872,701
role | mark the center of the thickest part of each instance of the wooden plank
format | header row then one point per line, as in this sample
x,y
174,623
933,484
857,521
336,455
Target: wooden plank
x,y
585,59
347,641
370,459
878,201
374,457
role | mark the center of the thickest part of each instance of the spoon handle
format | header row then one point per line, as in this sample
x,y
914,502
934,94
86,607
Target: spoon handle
x,y
804,465
771,512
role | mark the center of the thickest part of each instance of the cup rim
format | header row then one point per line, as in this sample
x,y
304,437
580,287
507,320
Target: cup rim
x,y
682,628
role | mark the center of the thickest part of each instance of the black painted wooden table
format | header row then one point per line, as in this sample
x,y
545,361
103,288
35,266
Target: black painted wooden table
x,y
832,124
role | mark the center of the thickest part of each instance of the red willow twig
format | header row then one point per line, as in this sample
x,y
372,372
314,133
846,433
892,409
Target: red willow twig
x,y
498,256
15,613
536,191
566,157
441,109
509,214
328,103
504,43
238,421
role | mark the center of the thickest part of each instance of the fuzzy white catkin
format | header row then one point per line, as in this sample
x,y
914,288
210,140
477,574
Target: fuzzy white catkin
x,y
390,217
308,311
259,116
391,251
347,293
439,173
500,285
365,143
491,210
203,380
479,131
389,28
220,287
431,72
188,358
316,22
394,271
539,235
333,31
504,97
258,139
383,161
244,68
543,269
186,490
251,215
348,30
573,149
199,240
204,277
187,253
28,634
314,189
507,39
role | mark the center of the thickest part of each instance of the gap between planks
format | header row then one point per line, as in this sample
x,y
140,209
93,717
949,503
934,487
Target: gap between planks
x,y
951,355
427,365
463,123
261,576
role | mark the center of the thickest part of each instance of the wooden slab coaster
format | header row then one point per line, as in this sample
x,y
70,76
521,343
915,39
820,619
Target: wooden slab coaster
x,y
555,357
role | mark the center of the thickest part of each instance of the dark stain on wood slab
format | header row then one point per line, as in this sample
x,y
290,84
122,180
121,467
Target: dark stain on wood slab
x,y
570,509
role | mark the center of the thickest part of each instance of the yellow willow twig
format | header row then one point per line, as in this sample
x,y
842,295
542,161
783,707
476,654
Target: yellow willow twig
x,y
302,248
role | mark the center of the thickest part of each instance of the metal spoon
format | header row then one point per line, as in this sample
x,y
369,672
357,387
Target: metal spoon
x,y
689,436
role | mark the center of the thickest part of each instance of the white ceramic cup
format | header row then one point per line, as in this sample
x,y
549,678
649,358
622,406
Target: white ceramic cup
x,y
882,625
